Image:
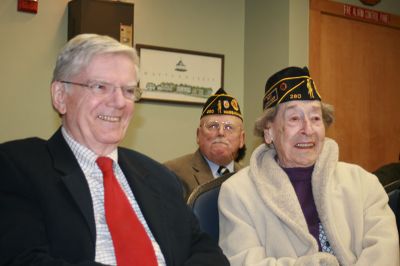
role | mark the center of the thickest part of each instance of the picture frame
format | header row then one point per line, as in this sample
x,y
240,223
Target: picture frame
x,y
178,75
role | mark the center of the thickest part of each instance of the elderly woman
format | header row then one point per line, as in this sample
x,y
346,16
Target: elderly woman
x,y
296,204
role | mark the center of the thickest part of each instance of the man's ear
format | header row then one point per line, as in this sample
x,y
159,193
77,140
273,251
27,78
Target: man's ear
x,y
197,135
58,97
242,139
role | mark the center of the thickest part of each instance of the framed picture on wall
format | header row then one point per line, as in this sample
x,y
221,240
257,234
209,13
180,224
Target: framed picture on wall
x,y
177,75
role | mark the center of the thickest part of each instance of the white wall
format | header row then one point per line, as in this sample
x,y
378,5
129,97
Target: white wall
x,y
266,50
28,48
29,45
165,131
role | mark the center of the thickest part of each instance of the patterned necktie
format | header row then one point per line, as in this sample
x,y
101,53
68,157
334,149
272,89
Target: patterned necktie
x,y
132,245
222,170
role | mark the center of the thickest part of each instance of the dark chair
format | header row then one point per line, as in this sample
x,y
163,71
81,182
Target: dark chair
x,y
389,176
204,202
394,203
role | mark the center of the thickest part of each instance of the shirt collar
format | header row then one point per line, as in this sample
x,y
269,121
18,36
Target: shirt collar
x,y
85,156
214,167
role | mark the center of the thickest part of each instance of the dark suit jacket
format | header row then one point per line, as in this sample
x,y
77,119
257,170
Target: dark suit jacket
x,y
46,212
193,170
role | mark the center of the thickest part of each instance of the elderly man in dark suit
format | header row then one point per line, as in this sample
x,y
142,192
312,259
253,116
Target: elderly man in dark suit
x,y
79,199
221,141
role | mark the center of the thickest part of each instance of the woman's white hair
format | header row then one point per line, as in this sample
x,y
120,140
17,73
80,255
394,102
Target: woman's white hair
x,y
269,115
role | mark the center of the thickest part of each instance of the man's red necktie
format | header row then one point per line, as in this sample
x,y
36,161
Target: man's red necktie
x,y
132,245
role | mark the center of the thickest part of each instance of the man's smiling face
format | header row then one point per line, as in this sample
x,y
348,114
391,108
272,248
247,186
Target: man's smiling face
x,y
100,121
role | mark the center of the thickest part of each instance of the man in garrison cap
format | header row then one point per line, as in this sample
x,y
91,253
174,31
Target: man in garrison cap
x,y
221,140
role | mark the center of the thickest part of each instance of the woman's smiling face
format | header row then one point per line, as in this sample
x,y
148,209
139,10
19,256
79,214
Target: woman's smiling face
x,y
297,132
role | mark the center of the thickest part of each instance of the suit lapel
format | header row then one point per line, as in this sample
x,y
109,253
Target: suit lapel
x,y
202,171
73,178
147,194
237,166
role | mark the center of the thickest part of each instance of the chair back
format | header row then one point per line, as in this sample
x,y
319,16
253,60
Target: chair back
x,y
394,203
389,176
204,203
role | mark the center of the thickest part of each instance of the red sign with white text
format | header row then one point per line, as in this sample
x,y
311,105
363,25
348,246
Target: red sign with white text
x,y
367,14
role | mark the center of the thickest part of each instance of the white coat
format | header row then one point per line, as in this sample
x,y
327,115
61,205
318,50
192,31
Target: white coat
x,y
262,223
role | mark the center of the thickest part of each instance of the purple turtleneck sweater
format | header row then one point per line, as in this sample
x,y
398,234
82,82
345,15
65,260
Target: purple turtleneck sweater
x,y
301,181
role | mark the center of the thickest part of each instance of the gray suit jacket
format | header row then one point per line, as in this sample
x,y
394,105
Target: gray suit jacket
x,y
193,170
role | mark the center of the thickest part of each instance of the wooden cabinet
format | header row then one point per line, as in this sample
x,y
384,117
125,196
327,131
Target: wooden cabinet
x,y
102,17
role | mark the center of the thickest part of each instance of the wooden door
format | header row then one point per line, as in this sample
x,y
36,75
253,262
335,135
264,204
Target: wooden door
x,y
356,64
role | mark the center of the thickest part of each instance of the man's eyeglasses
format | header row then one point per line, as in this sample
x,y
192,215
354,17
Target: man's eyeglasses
x,y
104,88
214,127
